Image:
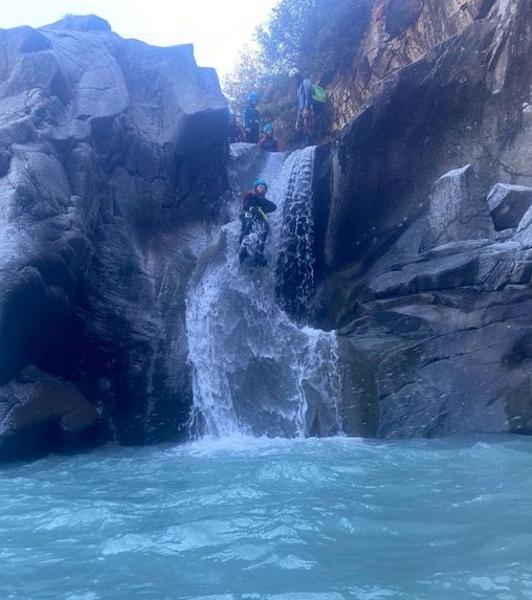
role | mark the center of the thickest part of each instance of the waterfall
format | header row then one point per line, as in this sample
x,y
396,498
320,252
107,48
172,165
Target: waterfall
x,y
295,264
255,371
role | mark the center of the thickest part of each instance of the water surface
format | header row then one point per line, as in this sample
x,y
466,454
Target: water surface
x,y
286,520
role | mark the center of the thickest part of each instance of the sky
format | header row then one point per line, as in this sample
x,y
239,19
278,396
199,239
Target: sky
x,y
218,28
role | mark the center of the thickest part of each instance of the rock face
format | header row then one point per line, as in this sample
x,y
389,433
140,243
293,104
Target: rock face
x,y
38,411
398,33
508,205
455,213
111,162
433,300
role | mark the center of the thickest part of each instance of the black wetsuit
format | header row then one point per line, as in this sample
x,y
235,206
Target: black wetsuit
x,y
255,227
269,144
251,122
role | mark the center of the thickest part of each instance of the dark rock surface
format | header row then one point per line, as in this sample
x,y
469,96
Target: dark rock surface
x,y
508,204
435,306
112,160
38,411
401,15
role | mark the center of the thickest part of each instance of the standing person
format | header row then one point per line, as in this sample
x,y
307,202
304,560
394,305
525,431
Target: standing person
x,y
251,119
269,143
305,121
255,224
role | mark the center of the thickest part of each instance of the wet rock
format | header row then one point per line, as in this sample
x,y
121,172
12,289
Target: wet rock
x,y
452,386
5,161
41,414
508,204
244,156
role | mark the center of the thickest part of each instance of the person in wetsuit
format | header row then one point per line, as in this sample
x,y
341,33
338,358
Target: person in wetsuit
x,y
255,224
251,119
268,142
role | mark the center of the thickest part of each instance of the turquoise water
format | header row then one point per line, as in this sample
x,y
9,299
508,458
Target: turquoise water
x,y
286,520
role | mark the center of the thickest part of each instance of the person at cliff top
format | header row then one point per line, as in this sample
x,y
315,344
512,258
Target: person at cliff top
x,y
251,119
268,142
305,122
255,223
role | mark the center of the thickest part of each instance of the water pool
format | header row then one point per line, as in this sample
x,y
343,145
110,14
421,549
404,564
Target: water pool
x,y
252,519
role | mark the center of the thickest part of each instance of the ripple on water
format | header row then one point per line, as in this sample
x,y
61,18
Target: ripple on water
x,y
272,519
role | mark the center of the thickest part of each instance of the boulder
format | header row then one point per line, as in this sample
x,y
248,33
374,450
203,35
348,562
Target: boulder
x,y
41,414
454,213
508,204
523,235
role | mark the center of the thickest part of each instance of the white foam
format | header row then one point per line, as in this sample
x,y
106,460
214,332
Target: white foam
x,y
255,371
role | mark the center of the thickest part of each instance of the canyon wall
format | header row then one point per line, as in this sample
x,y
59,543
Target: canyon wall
x,y
112,166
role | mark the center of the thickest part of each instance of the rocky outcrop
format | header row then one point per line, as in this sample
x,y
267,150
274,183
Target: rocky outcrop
x,y
508,204
446,341
423,240
111,164
398,33
454,211
38,411
443,112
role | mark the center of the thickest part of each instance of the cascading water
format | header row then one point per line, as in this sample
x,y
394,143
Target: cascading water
x,y
255,371
295,263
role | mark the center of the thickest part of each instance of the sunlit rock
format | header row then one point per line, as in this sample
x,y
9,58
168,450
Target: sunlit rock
x,y
112,159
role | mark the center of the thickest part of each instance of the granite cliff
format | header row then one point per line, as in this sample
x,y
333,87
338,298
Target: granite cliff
x,y
112,160
423,223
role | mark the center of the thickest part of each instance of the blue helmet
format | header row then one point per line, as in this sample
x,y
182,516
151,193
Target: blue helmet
x,y
268,128
253,97
260,182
